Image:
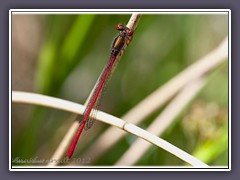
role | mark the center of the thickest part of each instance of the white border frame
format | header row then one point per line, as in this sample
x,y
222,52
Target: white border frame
x,y
120,11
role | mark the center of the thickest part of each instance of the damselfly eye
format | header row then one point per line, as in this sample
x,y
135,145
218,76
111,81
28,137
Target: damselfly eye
x,y
120,27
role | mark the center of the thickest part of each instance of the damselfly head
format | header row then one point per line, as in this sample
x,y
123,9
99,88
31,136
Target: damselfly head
x,y
120,27
125,29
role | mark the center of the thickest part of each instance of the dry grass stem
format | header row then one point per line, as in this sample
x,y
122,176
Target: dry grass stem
x,y
157,127
20,97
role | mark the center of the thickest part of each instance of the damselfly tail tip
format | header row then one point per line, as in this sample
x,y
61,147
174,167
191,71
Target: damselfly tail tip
x,y
69,154
75,140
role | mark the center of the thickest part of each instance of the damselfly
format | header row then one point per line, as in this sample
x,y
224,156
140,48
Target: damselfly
x,y
124,37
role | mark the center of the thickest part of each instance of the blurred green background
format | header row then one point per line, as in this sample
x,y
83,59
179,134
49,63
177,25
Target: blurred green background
x,y
63,55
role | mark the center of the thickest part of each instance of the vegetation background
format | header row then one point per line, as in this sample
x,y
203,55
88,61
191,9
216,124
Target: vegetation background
x,y
63,55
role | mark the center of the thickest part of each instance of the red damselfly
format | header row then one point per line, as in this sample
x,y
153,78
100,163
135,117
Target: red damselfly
x,y
123,38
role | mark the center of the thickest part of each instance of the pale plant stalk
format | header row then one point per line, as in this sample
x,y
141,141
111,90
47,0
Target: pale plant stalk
x,y
32,98
159,97
162,122
63,146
